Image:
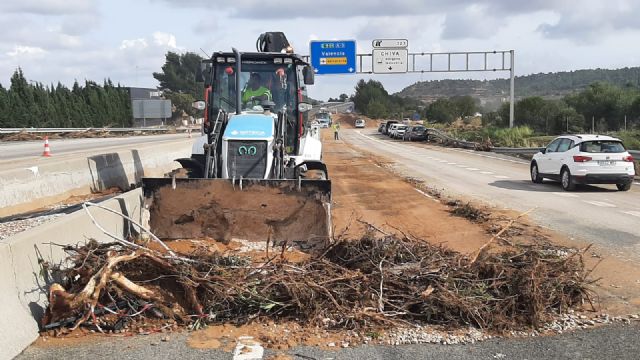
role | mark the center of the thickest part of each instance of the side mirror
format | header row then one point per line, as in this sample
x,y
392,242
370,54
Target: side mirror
x,y
309,75
304,107
544,151
199,105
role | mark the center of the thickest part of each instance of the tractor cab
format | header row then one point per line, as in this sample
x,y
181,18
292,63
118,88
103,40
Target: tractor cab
x,y
264,82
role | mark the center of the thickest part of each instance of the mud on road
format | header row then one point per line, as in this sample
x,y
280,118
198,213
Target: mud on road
x,y
368,195
368,187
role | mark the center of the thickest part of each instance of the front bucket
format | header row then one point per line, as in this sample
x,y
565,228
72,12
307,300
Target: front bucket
x,y
296,212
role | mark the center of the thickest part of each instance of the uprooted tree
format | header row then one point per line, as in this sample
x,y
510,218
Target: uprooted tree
x,y
351,284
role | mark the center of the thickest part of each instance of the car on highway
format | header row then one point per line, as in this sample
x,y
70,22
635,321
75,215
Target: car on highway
x,y
584,159
359,123
398,131
324,119
387,125
391,129
415,133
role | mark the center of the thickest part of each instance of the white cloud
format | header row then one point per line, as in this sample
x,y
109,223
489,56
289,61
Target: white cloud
x,y
133,44
26,51
48,7
164,39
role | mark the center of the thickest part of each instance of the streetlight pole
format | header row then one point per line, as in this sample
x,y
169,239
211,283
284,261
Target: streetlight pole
x,y
511,88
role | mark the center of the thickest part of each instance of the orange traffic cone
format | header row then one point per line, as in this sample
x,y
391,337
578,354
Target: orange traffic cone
x,y
47,150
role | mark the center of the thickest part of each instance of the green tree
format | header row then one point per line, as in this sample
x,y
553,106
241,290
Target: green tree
x,y
31,104
442,110
602,101
178,80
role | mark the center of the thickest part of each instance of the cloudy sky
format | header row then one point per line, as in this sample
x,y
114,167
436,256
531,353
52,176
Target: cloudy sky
x,y
63,40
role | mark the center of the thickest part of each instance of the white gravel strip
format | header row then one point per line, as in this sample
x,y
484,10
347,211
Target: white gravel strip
x,y
11,228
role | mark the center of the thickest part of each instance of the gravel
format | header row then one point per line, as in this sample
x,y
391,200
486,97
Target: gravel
x,y
10,228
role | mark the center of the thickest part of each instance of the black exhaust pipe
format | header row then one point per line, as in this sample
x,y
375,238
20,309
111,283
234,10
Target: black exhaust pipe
x,y
238,71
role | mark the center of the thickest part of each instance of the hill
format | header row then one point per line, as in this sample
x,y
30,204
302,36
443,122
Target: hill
x,y
550,85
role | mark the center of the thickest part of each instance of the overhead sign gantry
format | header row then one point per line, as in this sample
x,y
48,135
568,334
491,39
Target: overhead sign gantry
x,y
392,56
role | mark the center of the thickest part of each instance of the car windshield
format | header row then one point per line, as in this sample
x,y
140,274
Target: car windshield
x,y
418,128
602,146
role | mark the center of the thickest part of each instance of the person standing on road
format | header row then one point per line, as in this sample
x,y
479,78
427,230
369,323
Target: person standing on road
x,y
336,130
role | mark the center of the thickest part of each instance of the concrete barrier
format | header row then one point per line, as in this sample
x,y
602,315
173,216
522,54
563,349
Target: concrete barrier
x,y
56,179
24,283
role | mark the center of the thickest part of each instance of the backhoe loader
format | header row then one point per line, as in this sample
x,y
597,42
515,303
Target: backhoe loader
x,y
256,172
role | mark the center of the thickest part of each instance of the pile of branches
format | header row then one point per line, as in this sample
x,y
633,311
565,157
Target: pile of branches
x,y
353,284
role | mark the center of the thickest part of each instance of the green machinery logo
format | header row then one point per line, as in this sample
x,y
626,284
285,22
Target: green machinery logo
x,y
247,150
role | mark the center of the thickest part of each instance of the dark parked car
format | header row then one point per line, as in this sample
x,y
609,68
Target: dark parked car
x,y
415,133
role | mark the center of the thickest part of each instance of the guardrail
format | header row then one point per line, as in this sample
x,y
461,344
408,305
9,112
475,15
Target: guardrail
x,y
523,151
68,130
456,142
500,150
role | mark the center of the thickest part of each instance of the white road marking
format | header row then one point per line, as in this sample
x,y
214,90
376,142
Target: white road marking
x,y
425,194
451,164
565,194
500,176
486,172
632,213
443,161
637,182
599,203
472,169
462,166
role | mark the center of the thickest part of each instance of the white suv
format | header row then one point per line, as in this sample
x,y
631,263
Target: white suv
x,y
584,159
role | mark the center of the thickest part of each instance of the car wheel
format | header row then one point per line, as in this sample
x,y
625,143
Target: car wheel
x,y
535,175
624,187
566,181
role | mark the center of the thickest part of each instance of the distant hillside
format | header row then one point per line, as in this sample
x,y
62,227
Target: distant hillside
x,y
550,85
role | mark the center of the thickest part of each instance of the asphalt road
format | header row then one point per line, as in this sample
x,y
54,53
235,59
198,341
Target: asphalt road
x,y
11,151
607,342
496,179
596,214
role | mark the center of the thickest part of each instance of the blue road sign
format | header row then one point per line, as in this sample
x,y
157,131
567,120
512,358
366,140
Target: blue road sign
x,y
333,57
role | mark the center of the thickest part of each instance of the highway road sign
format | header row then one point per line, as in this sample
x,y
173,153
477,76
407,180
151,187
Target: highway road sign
x,y
390,43
390,61
333,57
